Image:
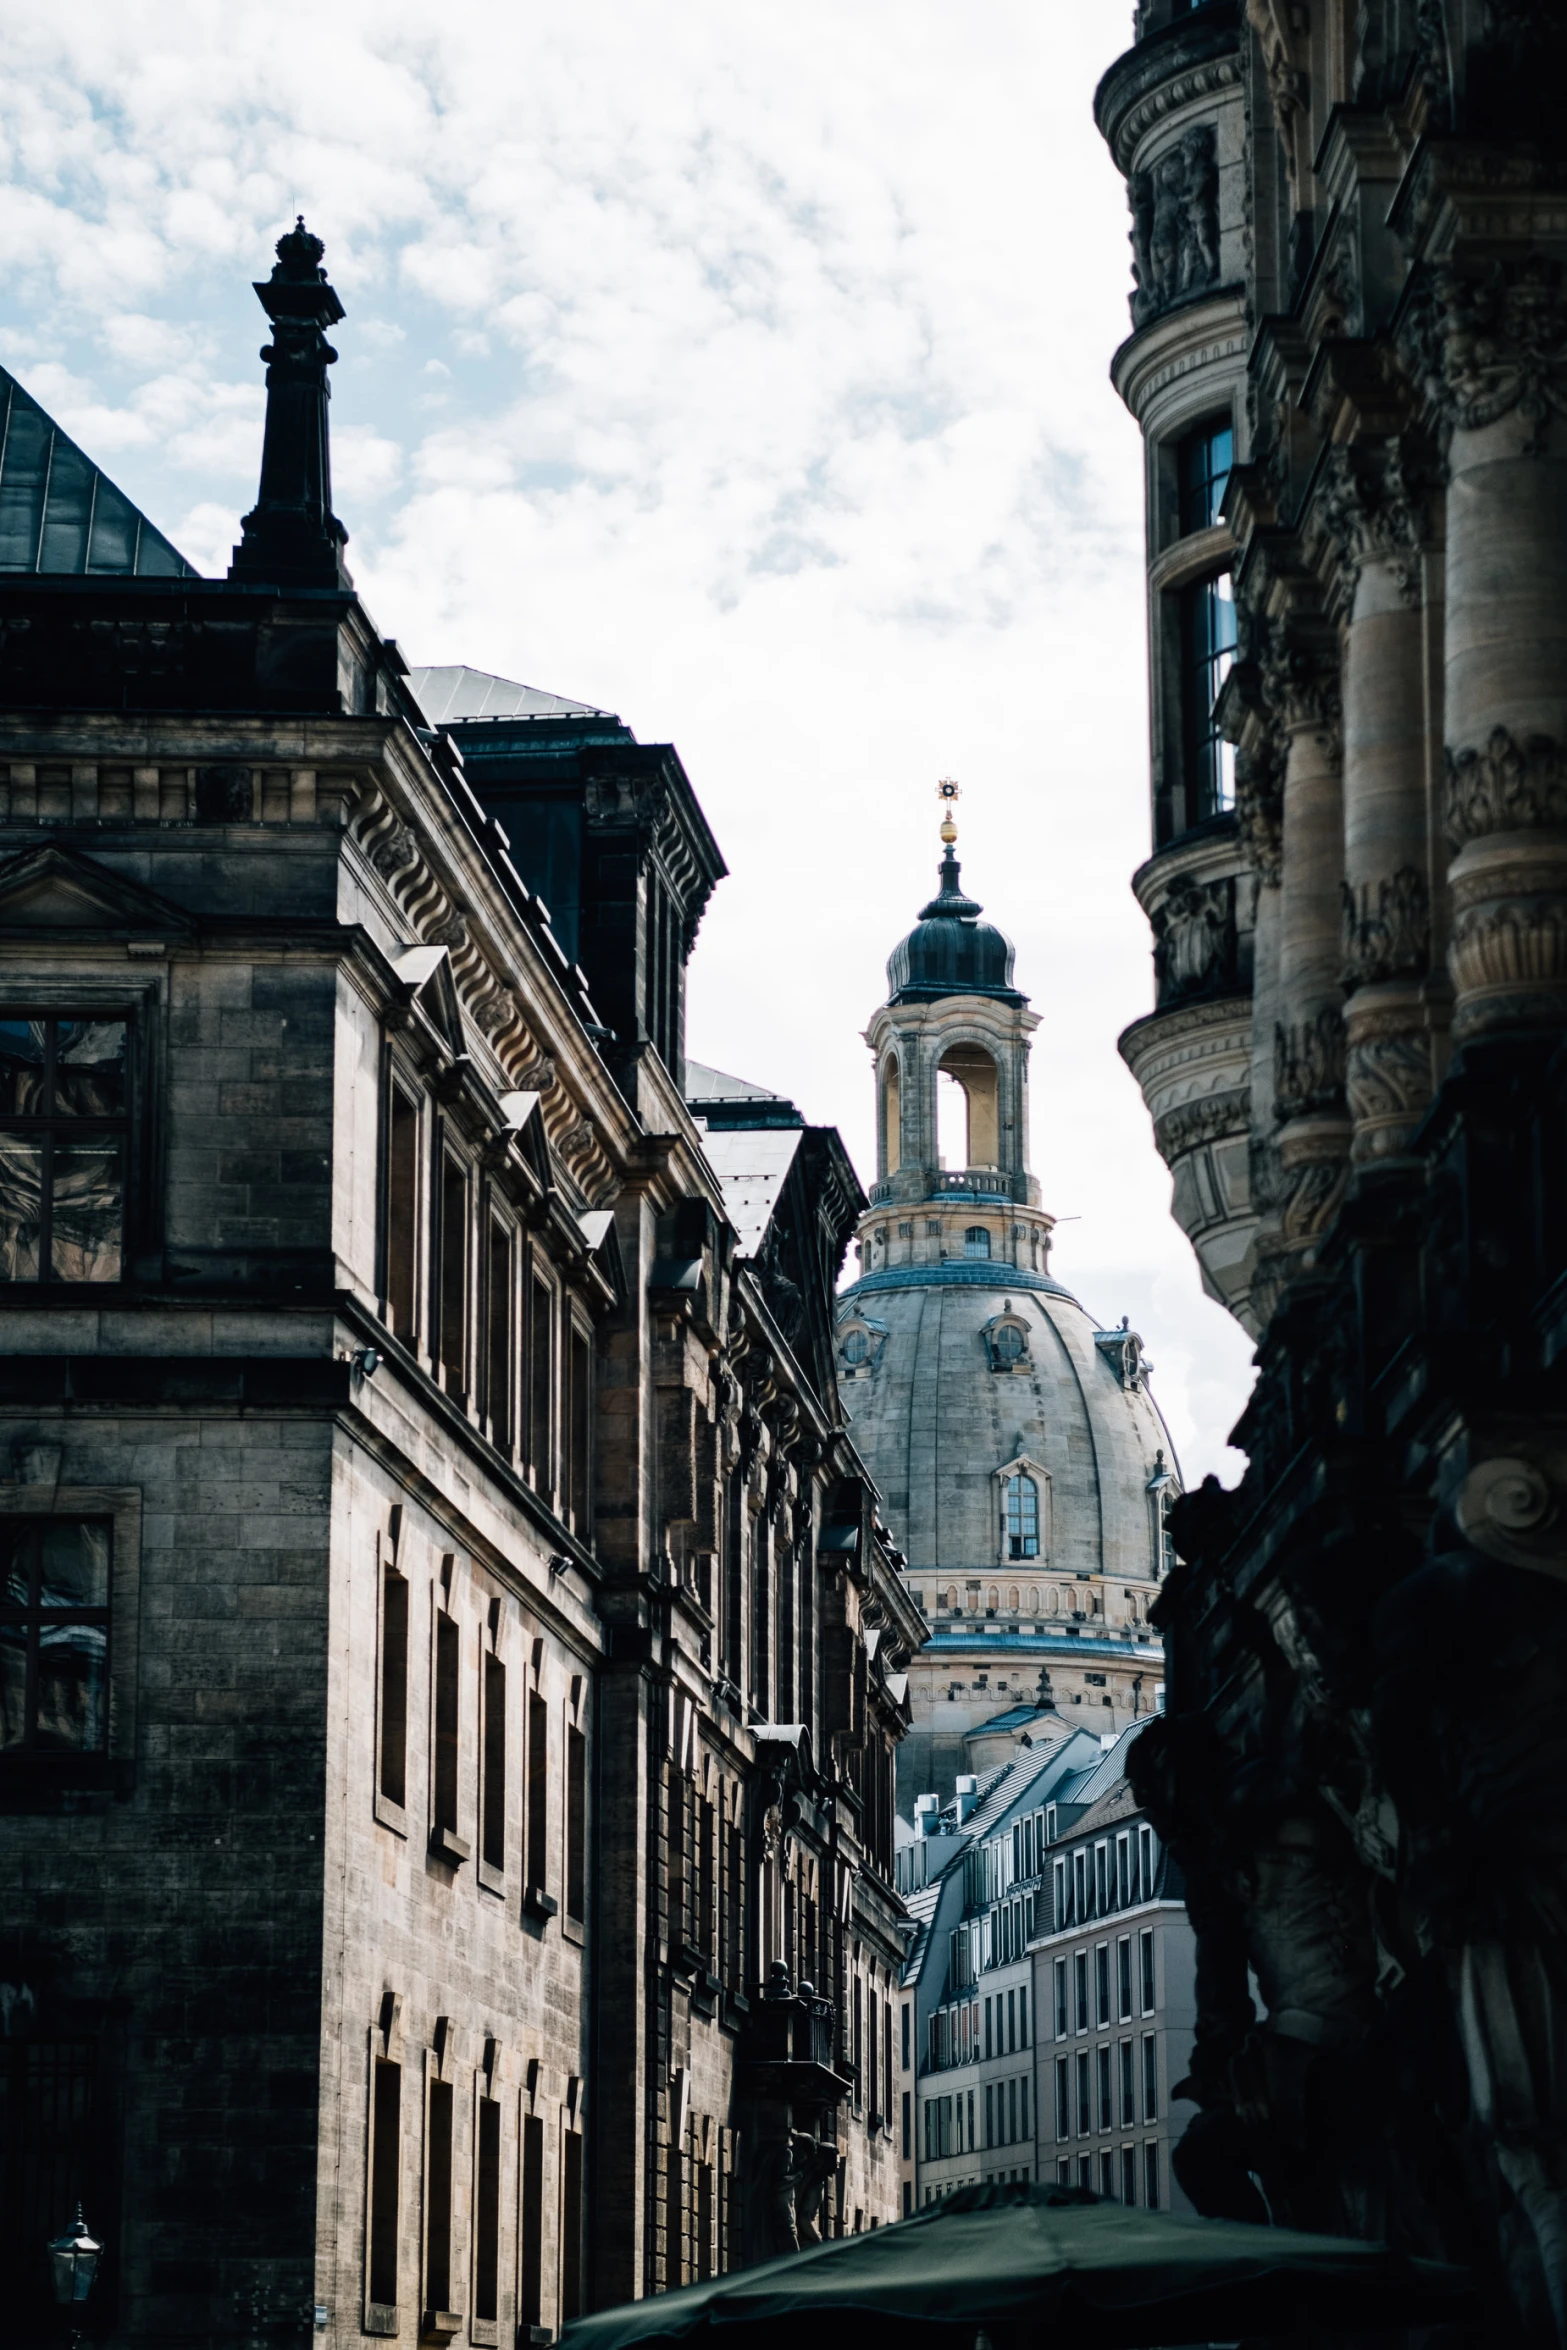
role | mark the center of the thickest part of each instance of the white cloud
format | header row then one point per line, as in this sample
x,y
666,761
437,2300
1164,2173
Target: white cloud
x,y
742,369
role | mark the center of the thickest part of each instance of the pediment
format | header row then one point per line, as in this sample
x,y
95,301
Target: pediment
x,y
52,888
525,1123
603,1243
425,974
1024,1465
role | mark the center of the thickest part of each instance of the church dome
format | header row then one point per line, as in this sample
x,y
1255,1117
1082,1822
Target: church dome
x,y
950,951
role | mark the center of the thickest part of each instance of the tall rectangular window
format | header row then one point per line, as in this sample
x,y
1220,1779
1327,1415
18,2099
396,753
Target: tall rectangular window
x,y
1102,1983
571,2227
1079,1885
492,1791
1128,2174
1203,462
499,1317
1128,2090
1207,613
1022,2102
1022,2016
541,1362
538,1791
394,1686
438,2199
577,1824
1058,1894
906,2020
64,1135
1150,2078
444,1793
704,2220
54,1635
487,2213
1011,2038
1145,1951
1080,1986
386,2150
1145,1862
1062,2017
1151,2175
1102,2066
990,2115
1123,1869
1063,2097
1123,1977
1084,2118
580,1431
454,1277
402,1213
530,2280
1012,2128
906,2147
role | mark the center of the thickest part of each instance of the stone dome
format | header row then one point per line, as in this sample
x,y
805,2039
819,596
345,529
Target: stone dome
x,y
950,951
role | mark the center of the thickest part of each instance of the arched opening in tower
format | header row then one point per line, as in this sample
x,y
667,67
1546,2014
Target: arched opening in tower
x,y
967,1109
891,1119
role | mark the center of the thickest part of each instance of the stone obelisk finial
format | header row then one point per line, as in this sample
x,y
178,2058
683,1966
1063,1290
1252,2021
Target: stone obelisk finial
x,y
291,537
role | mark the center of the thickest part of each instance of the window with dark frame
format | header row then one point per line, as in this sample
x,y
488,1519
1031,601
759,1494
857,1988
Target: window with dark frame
x,y
1150,2077
438,2200
443,1804
577,1824
1102,2067
1022,1518
499,1322
1128,2087
530,2283
394,1686
386,2150
1207,611
487,2214
454,1277
1203,461
580,1430
538,1791
571,2228
541,1354
64,1137
1084,2117
1151,2176
492,1786
54,1636
402,1213
1123,1960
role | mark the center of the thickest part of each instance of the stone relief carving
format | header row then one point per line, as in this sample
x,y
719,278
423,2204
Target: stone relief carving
x,y
1194,941
1387,1075
1503,345
1308,1064
1507,787
1387,928
1309,1197
1175,224
1190,1124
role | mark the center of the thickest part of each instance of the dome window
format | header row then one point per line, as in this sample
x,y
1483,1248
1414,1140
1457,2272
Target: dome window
x,y
976,1241
1022,1518
859,1346
1006,1339
856,1347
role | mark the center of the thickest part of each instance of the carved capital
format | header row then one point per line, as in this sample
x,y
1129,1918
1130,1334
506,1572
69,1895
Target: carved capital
x,y
1387,928
1300,684
1502,345
1308,1064
1507,787
1372,501
1259,809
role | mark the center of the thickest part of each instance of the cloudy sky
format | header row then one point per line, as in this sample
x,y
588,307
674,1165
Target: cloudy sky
x,y
739,367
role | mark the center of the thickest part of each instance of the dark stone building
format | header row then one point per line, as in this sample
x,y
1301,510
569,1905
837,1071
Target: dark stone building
x,y
450,1659
1349,360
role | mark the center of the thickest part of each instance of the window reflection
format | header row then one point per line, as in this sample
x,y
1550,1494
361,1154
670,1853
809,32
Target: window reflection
x,y
63,1114
54,1636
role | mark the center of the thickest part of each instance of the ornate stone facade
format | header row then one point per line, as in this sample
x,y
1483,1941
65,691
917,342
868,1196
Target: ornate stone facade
x,y
1359,1764
450,1657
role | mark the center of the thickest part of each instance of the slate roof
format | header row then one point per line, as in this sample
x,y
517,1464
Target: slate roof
x,y
751,1164
60,513
448,696
923,1905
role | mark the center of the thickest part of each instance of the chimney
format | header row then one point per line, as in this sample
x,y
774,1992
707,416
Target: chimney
x,y
927,1809
291,538
968,1795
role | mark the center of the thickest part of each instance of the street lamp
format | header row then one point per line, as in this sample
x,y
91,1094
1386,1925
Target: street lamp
x,y
73,2263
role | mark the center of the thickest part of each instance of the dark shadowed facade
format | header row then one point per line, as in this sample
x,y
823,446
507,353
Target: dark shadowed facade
x,y
1349,361
450,1660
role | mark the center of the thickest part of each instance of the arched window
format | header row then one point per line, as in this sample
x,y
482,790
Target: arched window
x,y
1033,1599
976,1241
1012,1600
952,1599
1007,1343
994,1601
1022,1518
856,1347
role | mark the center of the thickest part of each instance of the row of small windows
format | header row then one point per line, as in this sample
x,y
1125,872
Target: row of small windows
x,y
953,2123
1133,1974
1114,2090
976,2030
1093,1884
1118,2174
1071,1599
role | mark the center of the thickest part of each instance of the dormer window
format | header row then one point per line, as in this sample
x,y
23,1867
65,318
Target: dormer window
x,y
859,1347
856,1348
1006,1340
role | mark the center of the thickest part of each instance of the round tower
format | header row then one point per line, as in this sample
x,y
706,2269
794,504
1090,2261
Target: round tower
x,y
1023,1462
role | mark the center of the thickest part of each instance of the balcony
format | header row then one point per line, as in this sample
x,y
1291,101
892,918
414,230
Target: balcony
x,y
788,2051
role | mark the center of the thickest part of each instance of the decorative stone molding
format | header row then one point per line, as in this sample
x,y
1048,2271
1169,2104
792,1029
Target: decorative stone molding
x,y
1259,808
1175,224
1308,1064
1508,956
1507,787
1210,79
1301,686
1511,1510
1387,928
1387,1074
1313,1175
1371,501
1211,1119
1195,941
1503,345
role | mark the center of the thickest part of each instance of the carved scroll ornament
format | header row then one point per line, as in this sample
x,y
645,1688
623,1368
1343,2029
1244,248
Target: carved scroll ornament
x,y
1387,928
1507,787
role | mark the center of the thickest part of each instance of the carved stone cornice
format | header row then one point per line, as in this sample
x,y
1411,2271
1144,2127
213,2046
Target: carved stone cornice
x,y
1308,1064
1183,61
1210,1119
1300,685
1387,928
1507,787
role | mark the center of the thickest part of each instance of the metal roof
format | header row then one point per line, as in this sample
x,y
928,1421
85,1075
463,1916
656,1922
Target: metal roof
x,y
59,513
458,695
752,1164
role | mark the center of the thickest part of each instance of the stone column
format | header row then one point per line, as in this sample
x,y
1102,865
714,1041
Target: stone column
x,y
1259,806
1308,1067
1504,376
1386,893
